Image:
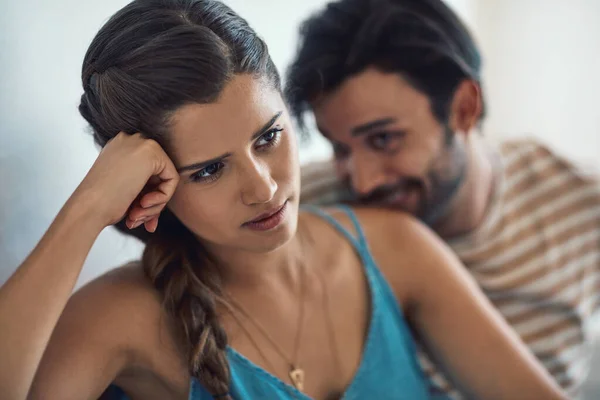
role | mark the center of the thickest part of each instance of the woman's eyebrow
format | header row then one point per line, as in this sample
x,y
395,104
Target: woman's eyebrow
x,y
203,164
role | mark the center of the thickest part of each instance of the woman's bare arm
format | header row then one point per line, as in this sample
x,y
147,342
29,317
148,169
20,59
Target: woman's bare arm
x,y
33,298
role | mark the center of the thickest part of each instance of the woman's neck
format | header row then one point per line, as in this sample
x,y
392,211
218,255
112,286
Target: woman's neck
x,y
242,269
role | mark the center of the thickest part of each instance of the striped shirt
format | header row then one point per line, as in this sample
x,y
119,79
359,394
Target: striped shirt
x,y
536,255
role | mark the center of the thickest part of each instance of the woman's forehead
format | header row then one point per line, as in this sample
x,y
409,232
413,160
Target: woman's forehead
x,y
208,130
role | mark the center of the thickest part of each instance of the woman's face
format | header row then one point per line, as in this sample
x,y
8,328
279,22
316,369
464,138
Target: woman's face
x,y
239,169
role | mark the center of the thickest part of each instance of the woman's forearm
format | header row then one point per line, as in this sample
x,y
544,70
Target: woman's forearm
x,y
33,298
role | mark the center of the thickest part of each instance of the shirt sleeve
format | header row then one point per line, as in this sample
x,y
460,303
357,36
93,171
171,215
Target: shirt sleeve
x,y
320,185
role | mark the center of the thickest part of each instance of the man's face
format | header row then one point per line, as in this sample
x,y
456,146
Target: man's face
x,y
389,145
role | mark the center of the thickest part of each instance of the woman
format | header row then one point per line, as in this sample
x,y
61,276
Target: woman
x,y
238,295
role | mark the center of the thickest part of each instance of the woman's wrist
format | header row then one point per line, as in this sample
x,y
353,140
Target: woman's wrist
x,y
83,213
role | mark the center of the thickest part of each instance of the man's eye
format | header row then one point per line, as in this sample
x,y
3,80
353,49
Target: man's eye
x,y
340,151
380,141
384,141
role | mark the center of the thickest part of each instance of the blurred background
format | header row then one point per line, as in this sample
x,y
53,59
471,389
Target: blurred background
x,y
541,78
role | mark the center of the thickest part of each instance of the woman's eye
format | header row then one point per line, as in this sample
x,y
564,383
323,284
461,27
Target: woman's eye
x,y
208,173
269,138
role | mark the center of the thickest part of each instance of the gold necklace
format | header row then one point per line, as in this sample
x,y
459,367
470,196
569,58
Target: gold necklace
x,y
330,329
296,374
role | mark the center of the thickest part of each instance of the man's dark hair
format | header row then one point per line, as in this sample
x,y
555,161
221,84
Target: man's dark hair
x,y
422,40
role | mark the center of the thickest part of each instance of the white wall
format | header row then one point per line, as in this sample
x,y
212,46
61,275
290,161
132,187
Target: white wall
x,y
542,71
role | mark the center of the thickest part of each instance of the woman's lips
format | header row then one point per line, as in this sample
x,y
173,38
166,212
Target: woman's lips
x,y
268,220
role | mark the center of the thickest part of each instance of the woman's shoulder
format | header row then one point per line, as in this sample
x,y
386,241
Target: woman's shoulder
x,y
121,310
111,330
379,224
397,226
400,244
117,293
128,277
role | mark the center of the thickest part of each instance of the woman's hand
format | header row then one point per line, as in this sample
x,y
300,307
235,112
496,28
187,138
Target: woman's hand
x,y
132,177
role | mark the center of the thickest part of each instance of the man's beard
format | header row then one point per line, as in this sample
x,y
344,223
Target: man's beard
x,y
436,192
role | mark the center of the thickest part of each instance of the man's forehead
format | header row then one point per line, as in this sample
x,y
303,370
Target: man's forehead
x,y
368,97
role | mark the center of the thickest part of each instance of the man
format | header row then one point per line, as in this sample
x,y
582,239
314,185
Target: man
x,y
395,87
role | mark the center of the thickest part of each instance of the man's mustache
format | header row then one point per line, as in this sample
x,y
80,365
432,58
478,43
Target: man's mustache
x,y
382,193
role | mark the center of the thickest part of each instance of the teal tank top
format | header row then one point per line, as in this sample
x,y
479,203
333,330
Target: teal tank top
x,y
388,370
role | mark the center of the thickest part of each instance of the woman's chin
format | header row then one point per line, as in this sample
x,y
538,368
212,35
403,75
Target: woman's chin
x,y
272,240
260,241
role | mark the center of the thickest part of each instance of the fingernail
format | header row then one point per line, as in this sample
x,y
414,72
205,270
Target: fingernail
x,y
137,223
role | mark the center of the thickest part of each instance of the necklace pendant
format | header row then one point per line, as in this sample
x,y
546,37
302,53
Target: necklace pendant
x,y
297,377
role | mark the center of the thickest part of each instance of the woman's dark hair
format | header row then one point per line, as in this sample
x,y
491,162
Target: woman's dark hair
x,y
148,60
422,40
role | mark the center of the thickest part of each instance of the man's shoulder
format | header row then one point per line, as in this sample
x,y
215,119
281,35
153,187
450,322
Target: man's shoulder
x,y
321,185
533,155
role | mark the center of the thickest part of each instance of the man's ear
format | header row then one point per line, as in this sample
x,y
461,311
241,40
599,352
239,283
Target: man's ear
x,y
466,107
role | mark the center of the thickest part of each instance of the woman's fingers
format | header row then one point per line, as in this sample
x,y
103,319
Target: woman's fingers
x,y
151,224
128,168
167,174
138,215
137,212
153,199
142,221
